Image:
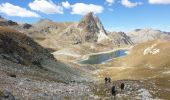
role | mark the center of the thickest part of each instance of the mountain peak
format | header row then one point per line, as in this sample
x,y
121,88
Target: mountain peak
x,y
2,18
94,30
87,21
90,14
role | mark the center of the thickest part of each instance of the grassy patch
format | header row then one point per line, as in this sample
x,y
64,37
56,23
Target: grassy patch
x,y
102,90
66,98
1,94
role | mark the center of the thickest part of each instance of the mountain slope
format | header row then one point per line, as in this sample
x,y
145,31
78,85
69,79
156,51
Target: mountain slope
x,y
117,39
21,50
150,54
147,62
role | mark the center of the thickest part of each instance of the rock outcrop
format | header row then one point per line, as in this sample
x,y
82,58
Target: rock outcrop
x,y
27,26
5,95
120,38
4,22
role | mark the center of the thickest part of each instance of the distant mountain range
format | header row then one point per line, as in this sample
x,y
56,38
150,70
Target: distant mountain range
x,y
49,33
56,35
144,35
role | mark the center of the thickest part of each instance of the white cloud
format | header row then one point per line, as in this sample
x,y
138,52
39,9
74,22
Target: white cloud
x,y
130,4
66,5
110,2
13,10
82,8
46,6
159,1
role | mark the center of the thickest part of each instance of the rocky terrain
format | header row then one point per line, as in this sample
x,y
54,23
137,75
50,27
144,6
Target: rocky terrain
x,y
28,88
119,39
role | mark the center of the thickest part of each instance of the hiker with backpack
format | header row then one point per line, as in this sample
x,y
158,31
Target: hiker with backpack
x,y
113,91
105,80
122,86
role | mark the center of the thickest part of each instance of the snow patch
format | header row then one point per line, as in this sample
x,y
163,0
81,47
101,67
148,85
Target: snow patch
x,y
85,57
66,53
151,50
102,36
127,52
166,72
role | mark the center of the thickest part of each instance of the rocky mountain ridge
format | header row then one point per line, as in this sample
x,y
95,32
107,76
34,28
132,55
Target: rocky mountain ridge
x,y
89,29
144,35
119,39
49,33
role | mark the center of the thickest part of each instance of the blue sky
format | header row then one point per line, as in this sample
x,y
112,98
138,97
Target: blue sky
x,y
116,15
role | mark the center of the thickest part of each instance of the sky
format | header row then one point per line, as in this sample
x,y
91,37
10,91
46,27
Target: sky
x,y
116,15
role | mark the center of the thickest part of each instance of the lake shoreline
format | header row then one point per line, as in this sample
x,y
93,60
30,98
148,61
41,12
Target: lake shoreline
x,y
101,58
85,57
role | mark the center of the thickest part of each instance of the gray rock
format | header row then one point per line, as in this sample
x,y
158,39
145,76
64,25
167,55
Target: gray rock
x,y
27,26
7,96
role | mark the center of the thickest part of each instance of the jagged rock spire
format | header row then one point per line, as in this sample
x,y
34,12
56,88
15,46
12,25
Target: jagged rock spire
x,y
94,30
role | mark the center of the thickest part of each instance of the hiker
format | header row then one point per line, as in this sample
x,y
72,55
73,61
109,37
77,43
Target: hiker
x,y
109,79
113,90
106,80
122,86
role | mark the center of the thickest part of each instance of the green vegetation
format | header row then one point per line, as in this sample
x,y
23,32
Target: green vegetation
x,y
1,94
